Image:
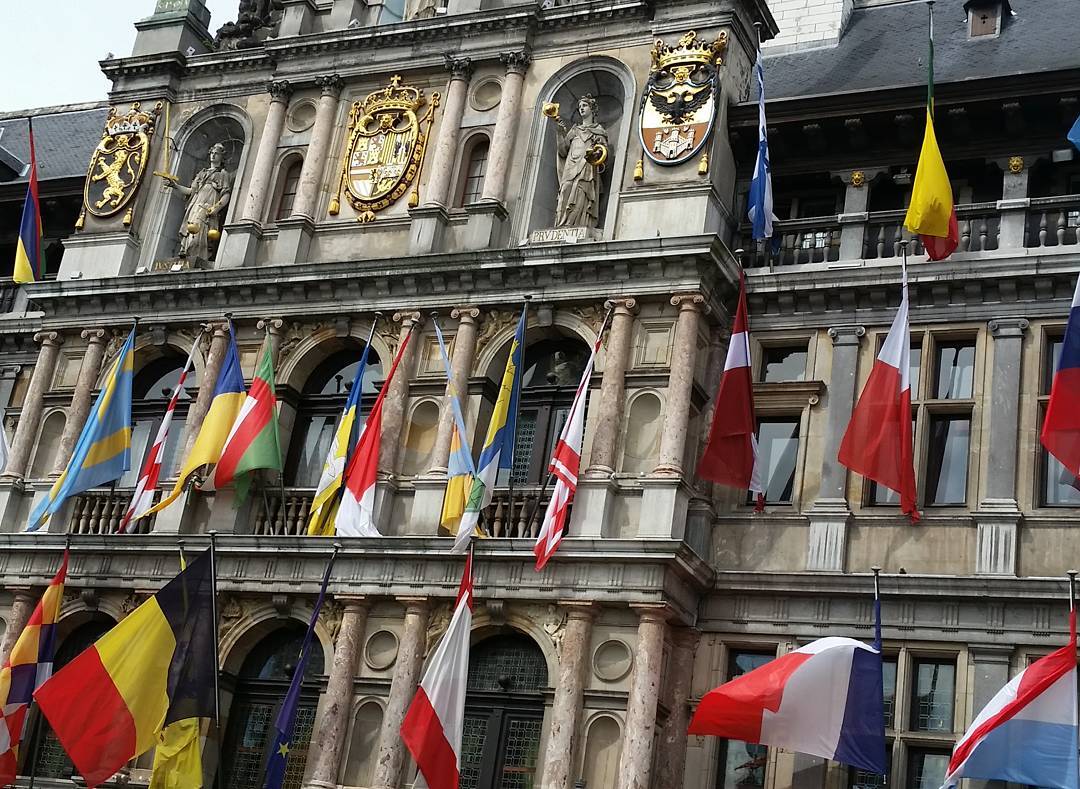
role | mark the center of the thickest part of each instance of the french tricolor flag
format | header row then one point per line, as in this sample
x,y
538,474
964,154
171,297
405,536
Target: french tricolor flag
x,y
1027,734
823,699
1061,427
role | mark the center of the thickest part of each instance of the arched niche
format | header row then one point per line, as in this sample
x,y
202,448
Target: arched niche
x,y
220,123
420,438
644,423
359,768
612,84
603,745
47,444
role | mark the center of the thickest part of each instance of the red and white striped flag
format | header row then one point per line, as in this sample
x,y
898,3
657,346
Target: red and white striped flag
x,y
356,513
731,453
565,463
143,498
878,442
433,725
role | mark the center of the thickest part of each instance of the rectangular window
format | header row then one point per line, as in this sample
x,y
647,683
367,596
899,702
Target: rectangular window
x,y
954,371
933,693
778,451
888,675
742,765
926,768
914,368
1059,487
1050,363
783,363
881,495
947,459
474,178
862,779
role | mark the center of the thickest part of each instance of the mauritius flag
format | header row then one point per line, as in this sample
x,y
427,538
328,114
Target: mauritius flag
x,y
253,441
109,704
29,263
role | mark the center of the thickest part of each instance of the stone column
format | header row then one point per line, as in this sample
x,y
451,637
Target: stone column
x,y
328,740
502,142
34,404
672,762
442,164
998,516
307,191
410,659
609,418
854,216
566,711
219,343
460,369
1013,204
635,764
829,515
21,609
393,416
96,340
263,169
680,383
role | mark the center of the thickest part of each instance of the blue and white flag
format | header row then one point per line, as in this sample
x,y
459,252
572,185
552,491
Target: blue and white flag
x,y
761,195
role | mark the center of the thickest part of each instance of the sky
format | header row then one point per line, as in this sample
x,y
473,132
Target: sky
x,y
52,47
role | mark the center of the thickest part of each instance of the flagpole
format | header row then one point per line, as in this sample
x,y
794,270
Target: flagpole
x,y
217,661
519,375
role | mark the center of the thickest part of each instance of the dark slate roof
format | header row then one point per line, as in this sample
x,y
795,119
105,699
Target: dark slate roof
x,y
64,141
885,47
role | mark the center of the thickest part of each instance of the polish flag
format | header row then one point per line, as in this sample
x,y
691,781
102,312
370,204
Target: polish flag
x,y
565,464
878,442
433,725
356,513
731,456
143,498
1061,427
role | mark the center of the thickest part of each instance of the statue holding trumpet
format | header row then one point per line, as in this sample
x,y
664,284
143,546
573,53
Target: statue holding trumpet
x,y
583,152
207,197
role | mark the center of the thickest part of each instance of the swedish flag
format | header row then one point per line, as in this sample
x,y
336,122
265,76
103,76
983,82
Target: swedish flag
x,y
103,451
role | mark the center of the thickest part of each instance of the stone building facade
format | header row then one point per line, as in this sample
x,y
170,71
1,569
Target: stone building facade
x,y
585,674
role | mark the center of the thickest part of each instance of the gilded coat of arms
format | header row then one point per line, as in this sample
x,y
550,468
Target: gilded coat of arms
x,y
385,148
118,162
678,109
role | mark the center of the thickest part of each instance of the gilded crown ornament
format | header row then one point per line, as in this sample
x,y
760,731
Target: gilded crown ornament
x,y
689,49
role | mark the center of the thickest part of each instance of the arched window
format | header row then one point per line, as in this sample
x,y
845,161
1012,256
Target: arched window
x,y
476,162
321,401
504,711
260,689
52,760
288,183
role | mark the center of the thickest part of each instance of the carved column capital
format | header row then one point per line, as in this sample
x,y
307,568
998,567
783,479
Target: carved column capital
x,y
330,84
95,336
49,338
690,302
623,306
578,609
407,318
465,314
354,603
516,62
459,68
273,326
280,90
653,612
415,605
1008,327
847,335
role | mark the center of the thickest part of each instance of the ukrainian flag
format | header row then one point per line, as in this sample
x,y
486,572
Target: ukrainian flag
x,y
498,451
103,451
29,264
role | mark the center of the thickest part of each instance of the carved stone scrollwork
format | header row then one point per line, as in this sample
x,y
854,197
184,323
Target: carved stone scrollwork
x,y
330,615
437,624
230,612
495,321
555,627
132,601
281,604
89,597
592,316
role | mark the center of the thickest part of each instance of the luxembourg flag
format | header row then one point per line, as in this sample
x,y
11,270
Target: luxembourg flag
x,y
356,513
878,443
823,699
1061,426
433,725
1027,734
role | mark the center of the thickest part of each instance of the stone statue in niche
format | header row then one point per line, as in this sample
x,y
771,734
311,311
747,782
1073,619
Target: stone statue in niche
x,y
583,152
207,197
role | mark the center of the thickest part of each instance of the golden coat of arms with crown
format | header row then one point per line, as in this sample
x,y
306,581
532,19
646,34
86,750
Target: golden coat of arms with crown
x,y
678,109
118,162
385,148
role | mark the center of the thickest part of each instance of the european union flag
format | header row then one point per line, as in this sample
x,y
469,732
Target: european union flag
x,y
286,720
103,451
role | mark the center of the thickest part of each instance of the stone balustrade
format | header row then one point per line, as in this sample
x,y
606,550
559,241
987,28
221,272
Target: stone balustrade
x,y
101,511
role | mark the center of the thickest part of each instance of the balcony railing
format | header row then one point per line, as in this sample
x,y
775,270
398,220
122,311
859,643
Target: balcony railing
x,y
1053,222
519,515
101,511
811,240
271,519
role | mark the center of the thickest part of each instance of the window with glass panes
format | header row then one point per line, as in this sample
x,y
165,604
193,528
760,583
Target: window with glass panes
x,y
290,181
933,695
1057,486
742,765
778,454
780,363
942,410
926,768
475,170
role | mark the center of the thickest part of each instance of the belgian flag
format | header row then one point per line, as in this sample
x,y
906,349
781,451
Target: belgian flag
x,y
155,667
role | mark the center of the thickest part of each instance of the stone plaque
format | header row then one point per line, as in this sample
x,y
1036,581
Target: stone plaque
x,y
562,235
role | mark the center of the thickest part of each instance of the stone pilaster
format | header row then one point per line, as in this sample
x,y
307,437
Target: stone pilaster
x,y
502,143
410,659
328,740
671,765
566,710
998,515
21,608
96,340
30,417
680,383
635,764
393,416
1013,204
854,216
830,515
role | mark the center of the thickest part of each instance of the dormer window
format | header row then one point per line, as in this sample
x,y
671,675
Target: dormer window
x,y
985,17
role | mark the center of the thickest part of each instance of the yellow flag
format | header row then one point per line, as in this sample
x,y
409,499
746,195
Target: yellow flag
x,y
931,197
177,760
